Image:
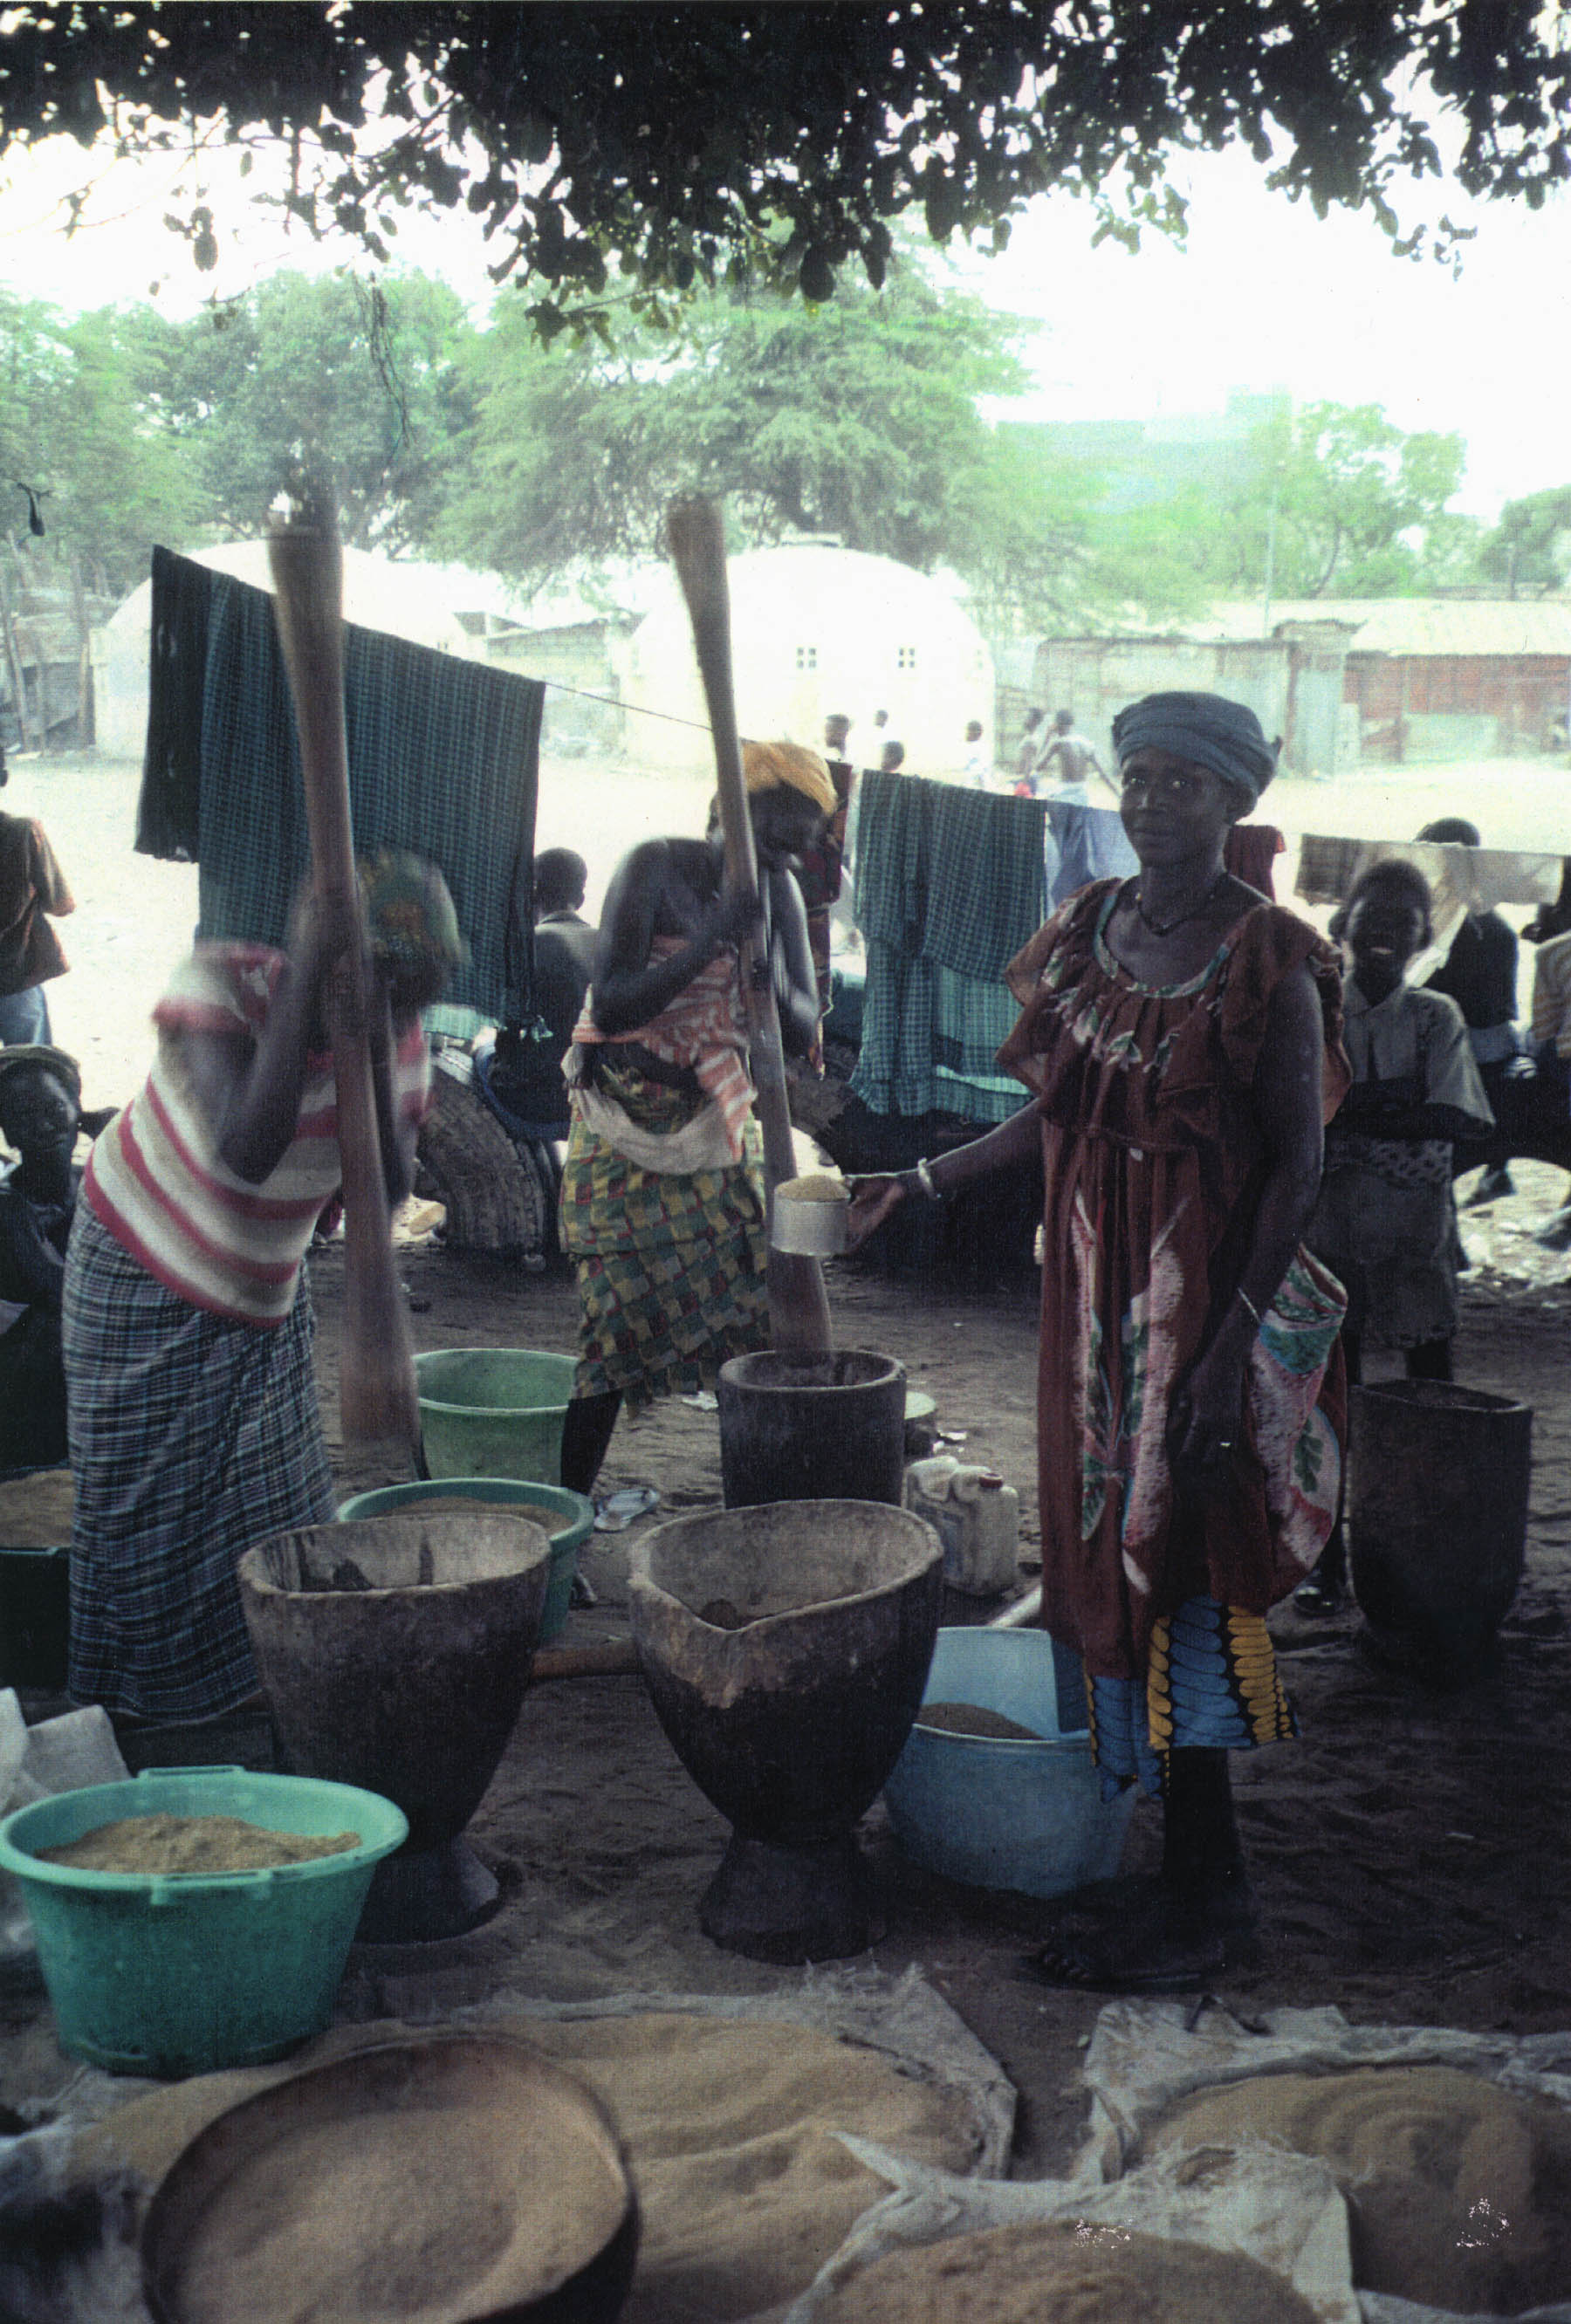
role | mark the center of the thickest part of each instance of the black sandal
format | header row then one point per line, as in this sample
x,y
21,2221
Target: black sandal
x,y
1164,1941
1132,1961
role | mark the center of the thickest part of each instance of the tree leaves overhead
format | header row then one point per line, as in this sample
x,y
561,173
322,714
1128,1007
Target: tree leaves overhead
x,y
691,142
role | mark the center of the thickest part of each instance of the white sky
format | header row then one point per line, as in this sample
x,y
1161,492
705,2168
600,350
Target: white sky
x,y
1264,296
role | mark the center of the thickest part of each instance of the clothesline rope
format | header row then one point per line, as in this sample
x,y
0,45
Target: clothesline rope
x,y
636,709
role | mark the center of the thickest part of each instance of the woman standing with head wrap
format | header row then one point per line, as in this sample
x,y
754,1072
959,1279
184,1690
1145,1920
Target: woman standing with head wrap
x,y
1179,1035
663,1208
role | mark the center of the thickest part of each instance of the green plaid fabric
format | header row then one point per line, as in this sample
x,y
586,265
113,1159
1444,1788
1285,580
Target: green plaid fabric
x,y
950,885
444,759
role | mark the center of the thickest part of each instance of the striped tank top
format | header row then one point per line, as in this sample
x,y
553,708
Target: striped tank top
x,y
154,1181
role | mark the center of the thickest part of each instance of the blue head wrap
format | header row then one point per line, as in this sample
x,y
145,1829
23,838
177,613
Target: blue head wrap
x,y
1205,728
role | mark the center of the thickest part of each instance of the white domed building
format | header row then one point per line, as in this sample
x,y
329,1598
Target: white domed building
x,y
816,629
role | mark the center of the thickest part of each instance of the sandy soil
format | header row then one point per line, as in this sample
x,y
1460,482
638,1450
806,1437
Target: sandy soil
x,y
1407,1849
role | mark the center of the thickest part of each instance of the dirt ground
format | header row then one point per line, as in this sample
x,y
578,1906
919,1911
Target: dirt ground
x,y
1407,1849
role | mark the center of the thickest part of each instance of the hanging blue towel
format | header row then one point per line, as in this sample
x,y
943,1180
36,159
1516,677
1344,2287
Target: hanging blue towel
x,y
1084,844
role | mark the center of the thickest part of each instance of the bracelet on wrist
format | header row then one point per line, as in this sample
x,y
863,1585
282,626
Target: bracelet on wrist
x,y
1247,1304
923,1175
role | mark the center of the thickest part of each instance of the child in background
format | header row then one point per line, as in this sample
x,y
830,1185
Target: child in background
x,y
1386,1219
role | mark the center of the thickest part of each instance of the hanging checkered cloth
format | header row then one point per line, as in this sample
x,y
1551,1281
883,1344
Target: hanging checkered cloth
x,y
444,759
191,1436
946,881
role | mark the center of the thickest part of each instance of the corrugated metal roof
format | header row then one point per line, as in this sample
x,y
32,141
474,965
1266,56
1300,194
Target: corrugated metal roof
x,y
1443,626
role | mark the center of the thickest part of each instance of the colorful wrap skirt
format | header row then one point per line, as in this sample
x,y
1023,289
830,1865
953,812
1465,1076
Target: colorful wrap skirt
x,y
191,1436
1211,1684
671,1268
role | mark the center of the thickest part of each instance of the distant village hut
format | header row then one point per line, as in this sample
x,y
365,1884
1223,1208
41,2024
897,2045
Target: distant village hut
x,y
1383,681
816,629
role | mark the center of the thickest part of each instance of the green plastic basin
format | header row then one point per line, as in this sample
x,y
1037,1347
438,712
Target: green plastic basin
x,y
493,1412
150,1974
573,1522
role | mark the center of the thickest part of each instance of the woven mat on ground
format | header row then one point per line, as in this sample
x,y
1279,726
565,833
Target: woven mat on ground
x,y
733,2112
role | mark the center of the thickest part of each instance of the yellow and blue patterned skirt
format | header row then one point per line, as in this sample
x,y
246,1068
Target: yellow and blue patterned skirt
x,y
1211,1684
670,1266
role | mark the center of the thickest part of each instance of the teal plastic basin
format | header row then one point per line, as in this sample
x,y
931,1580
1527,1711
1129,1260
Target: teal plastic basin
x,y
154,1975
1027,1816
573,1524
493,1412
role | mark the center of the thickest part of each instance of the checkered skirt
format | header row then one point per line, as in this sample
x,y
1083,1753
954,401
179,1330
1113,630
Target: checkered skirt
x,y
191,1437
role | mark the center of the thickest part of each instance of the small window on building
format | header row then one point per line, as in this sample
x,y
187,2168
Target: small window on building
x,y
807,656
905,658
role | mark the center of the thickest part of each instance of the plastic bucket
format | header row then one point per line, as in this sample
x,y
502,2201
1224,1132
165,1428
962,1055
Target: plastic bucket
x,y
493,1412
572,1524
154,1975
1004,1814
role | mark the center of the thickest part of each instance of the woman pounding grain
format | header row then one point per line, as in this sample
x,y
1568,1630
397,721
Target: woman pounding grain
x,y
188,1323
662,1207
1180,1035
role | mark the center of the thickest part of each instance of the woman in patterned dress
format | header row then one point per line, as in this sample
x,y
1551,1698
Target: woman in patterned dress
x,y
663,1204
1179,1035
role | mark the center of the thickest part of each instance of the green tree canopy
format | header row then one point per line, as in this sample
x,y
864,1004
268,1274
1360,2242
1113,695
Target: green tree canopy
x,y
1340,502
370,371
686,141
859,418
1531,547
75,424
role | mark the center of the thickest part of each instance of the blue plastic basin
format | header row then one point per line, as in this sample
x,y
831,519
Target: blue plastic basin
x,y
1027,1816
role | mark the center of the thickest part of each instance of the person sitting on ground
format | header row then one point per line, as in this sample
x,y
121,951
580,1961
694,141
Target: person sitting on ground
x,y
1179,1033
1076,759
1386,1219
188,1323
1480,975
526,1064
662,1206
40,1090
32,886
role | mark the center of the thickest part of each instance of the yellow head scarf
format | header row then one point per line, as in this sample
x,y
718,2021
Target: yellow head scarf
x,y
766,765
